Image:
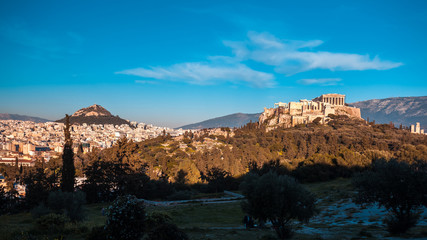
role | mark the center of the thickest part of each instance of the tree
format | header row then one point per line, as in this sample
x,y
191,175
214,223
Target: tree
x,y
397,186
68,170
38,185
279,199
218,179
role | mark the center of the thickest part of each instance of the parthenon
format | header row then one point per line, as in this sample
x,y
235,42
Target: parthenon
x,y
333,99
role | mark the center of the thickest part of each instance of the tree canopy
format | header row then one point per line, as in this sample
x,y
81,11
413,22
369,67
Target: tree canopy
x,y
279,199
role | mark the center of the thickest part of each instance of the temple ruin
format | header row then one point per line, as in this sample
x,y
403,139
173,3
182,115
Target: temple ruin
x,y
307,111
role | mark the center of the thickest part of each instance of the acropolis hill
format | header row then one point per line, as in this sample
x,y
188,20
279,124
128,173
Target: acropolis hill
x,y
307,111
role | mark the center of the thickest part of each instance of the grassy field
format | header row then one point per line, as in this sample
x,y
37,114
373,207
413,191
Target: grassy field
x,y
338,218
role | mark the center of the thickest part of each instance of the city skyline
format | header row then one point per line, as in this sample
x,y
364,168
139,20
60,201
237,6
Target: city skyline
x,y
171,64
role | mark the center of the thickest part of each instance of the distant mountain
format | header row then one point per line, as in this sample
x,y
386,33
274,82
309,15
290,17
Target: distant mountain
x,y
7,116
399,110
232,120
95,114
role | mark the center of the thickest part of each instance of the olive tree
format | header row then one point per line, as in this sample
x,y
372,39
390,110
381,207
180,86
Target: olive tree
x,y
279,199
397,186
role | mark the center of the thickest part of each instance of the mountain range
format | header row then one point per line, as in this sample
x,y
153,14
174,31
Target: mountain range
x,y
399,110
7,116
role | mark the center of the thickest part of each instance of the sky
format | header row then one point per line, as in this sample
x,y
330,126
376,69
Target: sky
x,y
171,63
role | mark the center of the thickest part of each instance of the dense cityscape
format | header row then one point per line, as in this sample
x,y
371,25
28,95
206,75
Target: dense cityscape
x,y
27,140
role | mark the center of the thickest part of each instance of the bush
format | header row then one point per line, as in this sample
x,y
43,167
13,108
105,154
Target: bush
x,y
278,198
125,218
397,186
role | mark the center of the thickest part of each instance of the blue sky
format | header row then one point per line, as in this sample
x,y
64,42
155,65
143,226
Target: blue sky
x,y
172,63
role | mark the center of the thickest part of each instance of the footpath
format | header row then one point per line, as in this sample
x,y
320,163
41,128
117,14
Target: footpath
x,y
232,197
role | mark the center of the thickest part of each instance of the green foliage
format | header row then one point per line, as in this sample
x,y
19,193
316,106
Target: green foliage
x,y
397,186
125,218
279,199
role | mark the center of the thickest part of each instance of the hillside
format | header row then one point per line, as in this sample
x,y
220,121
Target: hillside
x,y
309,152
399,110
232,120
7,116
95,114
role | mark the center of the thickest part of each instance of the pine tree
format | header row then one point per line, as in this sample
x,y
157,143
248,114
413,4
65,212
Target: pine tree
x,y
68,169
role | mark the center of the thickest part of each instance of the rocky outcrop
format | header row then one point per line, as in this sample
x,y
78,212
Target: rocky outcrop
x,y
306,111
94,110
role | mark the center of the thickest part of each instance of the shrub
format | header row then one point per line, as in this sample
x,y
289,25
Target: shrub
x,y
397,186
125,218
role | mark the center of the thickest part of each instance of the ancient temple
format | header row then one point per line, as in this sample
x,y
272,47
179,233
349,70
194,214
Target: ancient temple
x,y
332,98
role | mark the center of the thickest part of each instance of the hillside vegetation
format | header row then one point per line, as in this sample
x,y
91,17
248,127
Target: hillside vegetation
x,y
309,152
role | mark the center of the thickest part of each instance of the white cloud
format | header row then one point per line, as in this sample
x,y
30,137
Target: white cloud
x,y
205,74
320,81
286,56
291,57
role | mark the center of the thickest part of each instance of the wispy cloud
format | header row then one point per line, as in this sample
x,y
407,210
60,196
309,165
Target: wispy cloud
x,y
288,57
205,74
291,57
320,81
